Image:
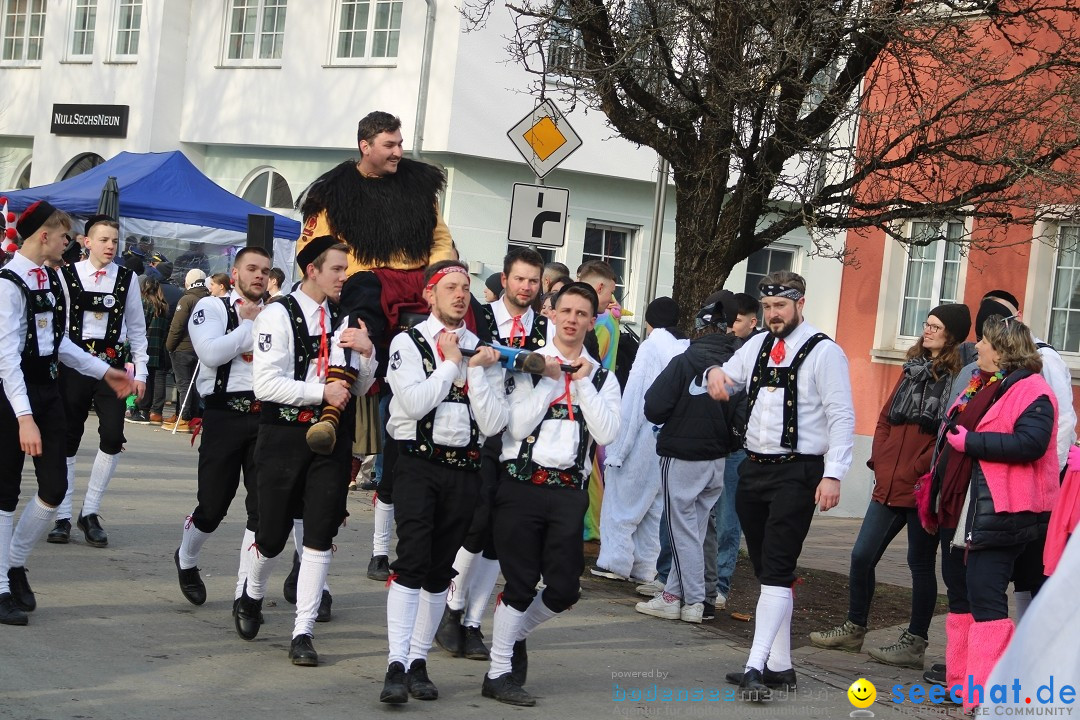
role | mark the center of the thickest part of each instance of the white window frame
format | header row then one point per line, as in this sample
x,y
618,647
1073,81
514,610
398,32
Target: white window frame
x,y
366,60
626,280
23,59
115,31
939,249
70,54
792,250
19,170
255,175
1074,229
564,41
227,35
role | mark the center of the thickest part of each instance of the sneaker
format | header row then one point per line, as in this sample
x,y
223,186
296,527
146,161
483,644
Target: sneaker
x,y
379,568
605,573
155,418
650,589
181,426
138,417
709,613
848,637
664,605
909,651
935,675
721,601
693,613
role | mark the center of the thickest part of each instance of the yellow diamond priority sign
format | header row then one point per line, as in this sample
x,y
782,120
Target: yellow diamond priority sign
x,y
544,138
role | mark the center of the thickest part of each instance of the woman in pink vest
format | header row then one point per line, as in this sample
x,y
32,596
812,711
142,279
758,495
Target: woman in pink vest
x,y
996,471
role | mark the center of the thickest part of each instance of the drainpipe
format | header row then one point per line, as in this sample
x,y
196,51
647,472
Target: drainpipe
x,y
425,79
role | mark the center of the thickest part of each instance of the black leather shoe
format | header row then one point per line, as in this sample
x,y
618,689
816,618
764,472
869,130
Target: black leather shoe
x,y
91,527
505,690
752,687
783,680
393,689
247,616
474,647
61,532
191,585
519,663
10,614
302,651
289,588
20,589
324,613
419,684
378,568
451,635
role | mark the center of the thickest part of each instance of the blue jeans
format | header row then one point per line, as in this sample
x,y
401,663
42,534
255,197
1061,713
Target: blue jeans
x,y
880,525
726,520
384,414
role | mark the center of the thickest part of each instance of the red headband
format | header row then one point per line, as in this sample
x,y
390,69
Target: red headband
x,y
443,272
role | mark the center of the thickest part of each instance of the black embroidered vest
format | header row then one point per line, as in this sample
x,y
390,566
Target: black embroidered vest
x,y
37,369
781,378
110,305
523,469
241,401
305,347
488,330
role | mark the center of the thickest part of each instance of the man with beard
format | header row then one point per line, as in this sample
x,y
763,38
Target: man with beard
x,y
799,435
443,406
297,339
511,322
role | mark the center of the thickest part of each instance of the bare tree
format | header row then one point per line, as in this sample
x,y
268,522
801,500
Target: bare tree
x,y
823,114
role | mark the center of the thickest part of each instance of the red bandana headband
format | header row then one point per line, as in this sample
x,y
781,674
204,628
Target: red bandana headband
x,y
443,272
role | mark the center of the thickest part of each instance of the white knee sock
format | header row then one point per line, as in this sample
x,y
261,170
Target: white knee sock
x,y
191,544
314,567
245,561
7,523
780,652
36,519
64,511
504,634
536,613
1022,598
428,615
482,580
773,607
100,475
258,573
460,584
384,526
402,604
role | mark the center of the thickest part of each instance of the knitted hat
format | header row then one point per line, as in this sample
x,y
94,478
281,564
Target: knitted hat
x,y
956,318
494,284
995,302
663,312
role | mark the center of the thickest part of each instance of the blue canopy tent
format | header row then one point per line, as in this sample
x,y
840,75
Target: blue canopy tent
x,y
162,195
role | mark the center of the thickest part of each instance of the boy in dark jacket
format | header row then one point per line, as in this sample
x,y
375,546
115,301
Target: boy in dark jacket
x,y
692,444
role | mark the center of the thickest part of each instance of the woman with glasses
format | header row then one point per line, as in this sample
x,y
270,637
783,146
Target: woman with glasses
x,y
995,471
901,454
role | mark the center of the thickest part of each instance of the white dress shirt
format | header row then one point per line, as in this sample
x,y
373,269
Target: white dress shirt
x,y
13,337
216,345
416,393
133,321
1057,376
826,415
557,441
505,321
273,355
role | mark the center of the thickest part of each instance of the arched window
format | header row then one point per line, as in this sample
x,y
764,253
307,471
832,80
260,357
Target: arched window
x,y
81,164
22,176
267,188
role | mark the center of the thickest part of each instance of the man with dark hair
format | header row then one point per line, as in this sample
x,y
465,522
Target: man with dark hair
x,y
800,431
33,341
442,408
541,497
296,342
509,321
552,271
275,283
106,319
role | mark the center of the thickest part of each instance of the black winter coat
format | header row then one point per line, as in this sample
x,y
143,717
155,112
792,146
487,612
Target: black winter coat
x,y
695,427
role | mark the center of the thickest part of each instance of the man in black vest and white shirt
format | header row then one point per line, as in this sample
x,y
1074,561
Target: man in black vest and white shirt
x,y
105,318
799,436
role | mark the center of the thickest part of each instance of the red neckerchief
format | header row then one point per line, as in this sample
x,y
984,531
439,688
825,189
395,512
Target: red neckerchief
x,y
41,276
566,393
322,365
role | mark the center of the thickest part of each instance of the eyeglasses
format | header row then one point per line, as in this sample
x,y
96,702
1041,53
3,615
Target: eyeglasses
x,y
932,328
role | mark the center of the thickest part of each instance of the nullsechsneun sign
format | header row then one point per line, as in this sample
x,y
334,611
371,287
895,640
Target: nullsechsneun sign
x,y
90,120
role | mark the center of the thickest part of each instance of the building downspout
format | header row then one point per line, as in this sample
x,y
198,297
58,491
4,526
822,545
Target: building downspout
x,y
425,81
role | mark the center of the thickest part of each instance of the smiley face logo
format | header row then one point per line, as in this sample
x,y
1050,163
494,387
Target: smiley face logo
x,y
862,693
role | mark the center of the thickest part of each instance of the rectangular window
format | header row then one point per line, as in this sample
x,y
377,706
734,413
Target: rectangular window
x,y
611,244
82,28
256,29
564,50
368,29
128,22
23,31
932,273
1065,301
766,261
